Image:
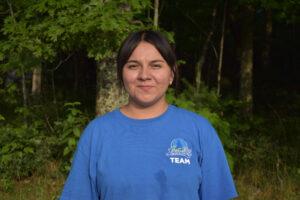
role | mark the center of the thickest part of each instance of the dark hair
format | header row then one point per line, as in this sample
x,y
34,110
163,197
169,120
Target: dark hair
x,y
153,37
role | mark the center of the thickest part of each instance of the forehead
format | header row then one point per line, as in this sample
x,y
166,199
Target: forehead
x,y
145,51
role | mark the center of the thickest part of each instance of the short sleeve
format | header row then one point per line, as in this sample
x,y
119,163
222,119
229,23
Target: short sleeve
x,y
80,184
217,182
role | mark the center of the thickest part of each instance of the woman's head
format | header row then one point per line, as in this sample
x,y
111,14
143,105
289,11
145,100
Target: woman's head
x,y
155,38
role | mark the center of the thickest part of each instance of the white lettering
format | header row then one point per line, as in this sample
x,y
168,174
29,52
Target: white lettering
x,y
180,160
187,161
172,159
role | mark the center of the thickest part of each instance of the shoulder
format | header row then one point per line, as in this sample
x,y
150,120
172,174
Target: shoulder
x,y
100,125
187,115
194,121
104,120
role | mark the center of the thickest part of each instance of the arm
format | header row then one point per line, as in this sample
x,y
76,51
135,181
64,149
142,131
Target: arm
x,y
217,182
80,184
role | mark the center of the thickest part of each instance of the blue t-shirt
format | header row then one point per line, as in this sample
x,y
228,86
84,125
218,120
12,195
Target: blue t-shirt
x,y
175,156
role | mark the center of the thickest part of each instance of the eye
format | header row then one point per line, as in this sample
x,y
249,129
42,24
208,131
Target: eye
x,y
156,66
131,66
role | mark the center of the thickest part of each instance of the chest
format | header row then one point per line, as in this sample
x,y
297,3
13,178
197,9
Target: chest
x,y
149,157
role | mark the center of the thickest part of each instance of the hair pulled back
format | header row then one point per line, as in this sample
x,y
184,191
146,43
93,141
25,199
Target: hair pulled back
x,y
153,37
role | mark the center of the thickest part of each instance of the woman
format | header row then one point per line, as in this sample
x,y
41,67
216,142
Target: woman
x,y
148,149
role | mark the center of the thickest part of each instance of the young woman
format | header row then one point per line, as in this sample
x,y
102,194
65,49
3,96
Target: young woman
x,y
148,149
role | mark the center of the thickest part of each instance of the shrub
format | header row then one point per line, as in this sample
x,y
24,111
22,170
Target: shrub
x,y
207,104
20,154
25,150
69,130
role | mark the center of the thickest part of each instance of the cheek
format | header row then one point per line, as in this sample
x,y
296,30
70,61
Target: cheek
x,y
128,78
165,79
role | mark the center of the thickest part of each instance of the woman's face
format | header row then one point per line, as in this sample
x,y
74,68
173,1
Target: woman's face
x,y
146,75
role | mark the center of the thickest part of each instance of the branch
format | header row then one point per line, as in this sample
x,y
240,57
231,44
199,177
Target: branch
x,y
201,31
139,22
61,62
4,12
161,7
278,170
11,10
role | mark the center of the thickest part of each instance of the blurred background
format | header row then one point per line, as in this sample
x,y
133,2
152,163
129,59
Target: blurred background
x,y
238,66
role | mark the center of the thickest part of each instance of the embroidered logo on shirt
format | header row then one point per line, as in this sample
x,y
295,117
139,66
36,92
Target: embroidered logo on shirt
x,y
179,147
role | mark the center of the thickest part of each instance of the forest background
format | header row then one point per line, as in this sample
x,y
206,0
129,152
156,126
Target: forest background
x,y
238,64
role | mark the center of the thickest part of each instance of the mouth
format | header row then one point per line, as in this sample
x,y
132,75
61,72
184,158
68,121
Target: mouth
x,y
145,87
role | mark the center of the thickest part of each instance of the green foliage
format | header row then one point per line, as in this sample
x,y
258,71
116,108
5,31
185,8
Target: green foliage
x,y
69,130
207,104
232,110
20,154
25,150
261,139
38,31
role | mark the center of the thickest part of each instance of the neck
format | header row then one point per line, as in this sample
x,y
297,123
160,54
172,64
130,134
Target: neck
x,y
136,111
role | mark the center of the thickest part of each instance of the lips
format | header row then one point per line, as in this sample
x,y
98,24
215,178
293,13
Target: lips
x,y
145,87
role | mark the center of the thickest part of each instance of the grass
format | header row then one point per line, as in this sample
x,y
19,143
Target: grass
x,y
36,187
259,184
251,184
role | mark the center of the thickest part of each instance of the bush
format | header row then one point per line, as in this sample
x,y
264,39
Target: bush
x,y
25,150
20,154
69,131
207,104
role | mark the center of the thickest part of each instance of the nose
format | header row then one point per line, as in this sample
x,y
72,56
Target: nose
x,y
144,74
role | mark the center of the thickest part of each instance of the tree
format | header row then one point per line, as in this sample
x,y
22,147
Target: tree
x,y
46,30
242,28
202,57
195,45
246,53
36,81
268,32
155,18
221,49
109,96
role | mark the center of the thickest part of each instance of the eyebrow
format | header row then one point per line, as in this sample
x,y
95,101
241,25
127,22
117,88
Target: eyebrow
x,y
152,61
132,61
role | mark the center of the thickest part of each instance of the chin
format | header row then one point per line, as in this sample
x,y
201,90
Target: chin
x,y
147,102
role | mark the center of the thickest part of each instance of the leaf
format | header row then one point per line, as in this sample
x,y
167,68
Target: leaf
x,y
72,103
5,149
1,117
19,154
76,132
28,150
66,133
67,167
66,151
71,142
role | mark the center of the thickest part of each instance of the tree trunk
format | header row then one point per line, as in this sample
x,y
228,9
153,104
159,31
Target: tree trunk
x,y
201,60
25,102
267,48
246,67
221,50
109,95
54,94
155,20
36,82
